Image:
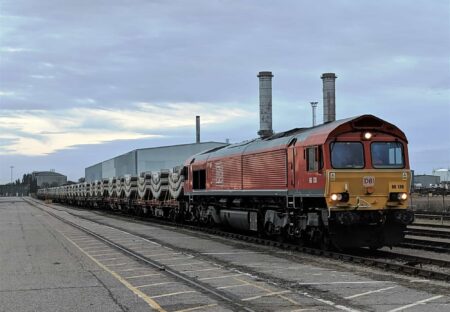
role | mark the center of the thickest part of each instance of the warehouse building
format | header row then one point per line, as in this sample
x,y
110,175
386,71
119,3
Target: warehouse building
x,y
426,180
146,159
49,178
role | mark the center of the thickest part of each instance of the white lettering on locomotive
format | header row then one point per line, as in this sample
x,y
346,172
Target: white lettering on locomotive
x,y
219,173
368,181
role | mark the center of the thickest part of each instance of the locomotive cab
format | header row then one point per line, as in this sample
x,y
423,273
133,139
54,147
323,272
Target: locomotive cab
x,y
367,185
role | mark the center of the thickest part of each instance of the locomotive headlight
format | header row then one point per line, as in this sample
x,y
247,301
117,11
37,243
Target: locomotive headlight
x,y
335,197
367,136
402,196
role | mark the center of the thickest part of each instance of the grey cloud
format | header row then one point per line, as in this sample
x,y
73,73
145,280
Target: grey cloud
x,y
170,51
391,57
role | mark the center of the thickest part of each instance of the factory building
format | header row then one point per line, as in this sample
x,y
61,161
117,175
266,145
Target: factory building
x,y
426,180
49,178
146,159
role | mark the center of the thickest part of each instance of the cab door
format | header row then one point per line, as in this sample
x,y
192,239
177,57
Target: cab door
x,y
291,153
291,167
312,177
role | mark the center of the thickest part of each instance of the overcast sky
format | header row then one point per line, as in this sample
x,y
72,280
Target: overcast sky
x,y
83,81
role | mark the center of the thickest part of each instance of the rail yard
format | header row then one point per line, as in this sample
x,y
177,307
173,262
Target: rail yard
x,y
314,218
117,262
184,156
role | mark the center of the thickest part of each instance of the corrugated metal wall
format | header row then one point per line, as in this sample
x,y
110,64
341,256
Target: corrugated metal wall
x,y
265,170
168,157
93,173
144,160
108,169
226,173
125,164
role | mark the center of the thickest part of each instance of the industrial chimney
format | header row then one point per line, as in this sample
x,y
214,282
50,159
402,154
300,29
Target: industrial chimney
x,y
314,106
197,129
329,97
265,104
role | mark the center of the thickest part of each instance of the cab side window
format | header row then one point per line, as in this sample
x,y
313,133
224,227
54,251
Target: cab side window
x,y
313,158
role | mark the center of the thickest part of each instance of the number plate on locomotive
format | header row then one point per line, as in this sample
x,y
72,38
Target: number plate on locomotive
x,y
368,181
397,187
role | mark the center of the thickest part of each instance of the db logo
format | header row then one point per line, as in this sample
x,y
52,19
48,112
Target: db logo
x,y
368,181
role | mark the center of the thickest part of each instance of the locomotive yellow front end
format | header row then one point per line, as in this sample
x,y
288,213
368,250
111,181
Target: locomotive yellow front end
x,y
367,190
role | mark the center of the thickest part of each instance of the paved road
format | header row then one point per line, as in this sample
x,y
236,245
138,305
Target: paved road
x,y
48,265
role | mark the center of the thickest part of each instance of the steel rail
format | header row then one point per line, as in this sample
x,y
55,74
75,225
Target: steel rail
x,y
231,301
428,233
432,225
435,246
409,268
412,260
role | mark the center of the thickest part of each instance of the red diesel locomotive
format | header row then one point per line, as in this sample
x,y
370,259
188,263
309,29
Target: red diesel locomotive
x,y
344,183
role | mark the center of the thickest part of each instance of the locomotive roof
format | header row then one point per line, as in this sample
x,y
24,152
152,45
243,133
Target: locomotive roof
x,y
309,136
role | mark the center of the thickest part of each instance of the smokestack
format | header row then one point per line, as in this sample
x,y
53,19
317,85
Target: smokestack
x,y
329,97
197,129
265,104
314,106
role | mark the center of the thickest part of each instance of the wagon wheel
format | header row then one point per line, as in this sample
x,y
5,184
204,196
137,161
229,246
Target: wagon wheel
x,y
210,222
269,227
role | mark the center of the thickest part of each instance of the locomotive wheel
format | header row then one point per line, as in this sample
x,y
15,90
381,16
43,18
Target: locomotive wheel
x,y
326,242
299,241
281,238
375,247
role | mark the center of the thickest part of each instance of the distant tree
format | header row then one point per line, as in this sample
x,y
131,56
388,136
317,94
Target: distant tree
x,y
45,185
27,179
54,184
33,186
81,180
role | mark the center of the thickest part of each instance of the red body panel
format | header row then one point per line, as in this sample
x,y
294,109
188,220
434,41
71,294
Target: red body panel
x,y
225,174
265,170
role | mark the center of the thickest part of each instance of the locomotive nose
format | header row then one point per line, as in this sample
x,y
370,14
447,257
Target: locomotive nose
x,y
367,189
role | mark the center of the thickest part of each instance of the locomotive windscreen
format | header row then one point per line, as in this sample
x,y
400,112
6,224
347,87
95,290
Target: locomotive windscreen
x,y
347,155
387,155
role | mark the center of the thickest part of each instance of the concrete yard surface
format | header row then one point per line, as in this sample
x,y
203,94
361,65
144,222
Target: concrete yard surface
x,y
41,271
56,258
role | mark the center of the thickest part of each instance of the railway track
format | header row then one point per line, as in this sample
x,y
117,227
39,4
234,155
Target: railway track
x,y
424,244
428,233
405,258
429,216
432,225
223,297
440,233
409,265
